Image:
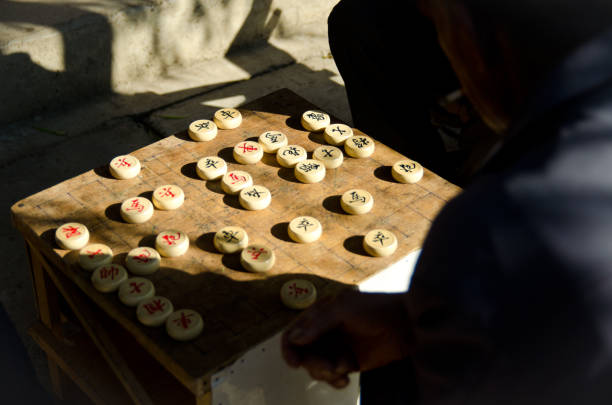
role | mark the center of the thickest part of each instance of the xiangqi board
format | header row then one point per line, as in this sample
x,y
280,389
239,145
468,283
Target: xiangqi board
x,y
239,308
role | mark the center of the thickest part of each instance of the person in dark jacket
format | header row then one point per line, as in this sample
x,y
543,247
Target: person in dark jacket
x,y
511,299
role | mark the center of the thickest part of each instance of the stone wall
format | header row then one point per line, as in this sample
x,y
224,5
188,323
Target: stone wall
x,y
56,54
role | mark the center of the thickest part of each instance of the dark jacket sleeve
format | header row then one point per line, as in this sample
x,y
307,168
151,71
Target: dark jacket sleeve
x,y
512,296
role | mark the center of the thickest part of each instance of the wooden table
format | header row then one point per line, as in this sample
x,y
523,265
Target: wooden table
x,y
111,356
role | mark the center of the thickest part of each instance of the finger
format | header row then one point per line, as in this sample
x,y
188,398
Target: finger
x,y
336,381
324,375
328,366
346,364
340,382
319,367
289,352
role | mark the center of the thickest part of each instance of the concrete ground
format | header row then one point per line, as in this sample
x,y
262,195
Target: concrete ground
x,y
46,148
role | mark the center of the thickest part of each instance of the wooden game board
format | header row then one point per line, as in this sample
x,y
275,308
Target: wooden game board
x,y
239,309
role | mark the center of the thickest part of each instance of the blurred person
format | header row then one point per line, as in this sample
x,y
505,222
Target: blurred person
x,y
511,299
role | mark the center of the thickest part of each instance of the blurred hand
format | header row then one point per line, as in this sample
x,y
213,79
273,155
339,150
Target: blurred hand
x,y
352,332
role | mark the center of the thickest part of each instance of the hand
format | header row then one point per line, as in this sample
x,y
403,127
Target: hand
x,y
353,332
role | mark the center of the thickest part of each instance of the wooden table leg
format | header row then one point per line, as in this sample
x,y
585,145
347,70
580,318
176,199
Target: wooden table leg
x,y
88,319
54,289
47,303
205,399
